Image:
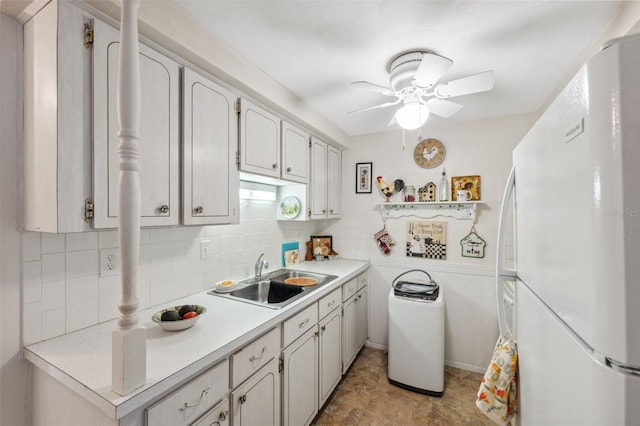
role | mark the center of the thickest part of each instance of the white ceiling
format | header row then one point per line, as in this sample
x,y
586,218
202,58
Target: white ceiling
x,y
317,48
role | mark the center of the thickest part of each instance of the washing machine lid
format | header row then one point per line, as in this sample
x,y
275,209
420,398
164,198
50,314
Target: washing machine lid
x,y
410,287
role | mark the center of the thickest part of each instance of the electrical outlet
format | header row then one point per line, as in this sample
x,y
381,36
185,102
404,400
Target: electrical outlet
x,y
205,249
109,262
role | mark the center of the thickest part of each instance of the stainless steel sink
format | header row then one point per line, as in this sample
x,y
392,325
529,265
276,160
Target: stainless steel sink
x,y
271,291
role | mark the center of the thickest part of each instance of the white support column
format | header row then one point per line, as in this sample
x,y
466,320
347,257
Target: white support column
x,y
129,345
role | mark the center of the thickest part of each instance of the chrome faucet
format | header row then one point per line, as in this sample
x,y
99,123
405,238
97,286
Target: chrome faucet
x,y
260,263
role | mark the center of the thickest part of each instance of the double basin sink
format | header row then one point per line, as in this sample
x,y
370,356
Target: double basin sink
x,y
271,291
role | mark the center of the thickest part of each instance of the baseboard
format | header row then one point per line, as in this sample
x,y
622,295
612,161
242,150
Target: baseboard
x,y
463,366
373,345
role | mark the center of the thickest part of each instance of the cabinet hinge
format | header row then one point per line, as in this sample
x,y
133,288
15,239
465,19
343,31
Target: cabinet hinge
x,y
238,105
309,141
238,158
309,212
88,35
281,365
88,210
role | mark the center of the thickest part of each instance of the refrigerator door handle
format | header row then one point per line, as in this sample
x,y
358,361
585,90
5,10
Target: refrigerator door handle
x,y
503,274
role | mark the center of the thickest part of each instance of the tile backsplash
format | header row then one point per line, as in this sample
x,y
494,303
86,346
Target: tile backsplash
x,y
63,290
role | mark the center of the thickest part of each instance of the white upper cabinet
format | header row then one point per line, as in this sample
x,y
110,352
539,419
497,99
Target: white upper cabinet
x,y
326,180
334,182
210,139
295,154
57,120
259,140
159,131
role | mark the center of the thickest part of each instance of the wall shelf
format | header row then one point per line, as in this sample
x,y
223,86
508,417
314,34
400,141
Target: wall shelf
x,y
426,210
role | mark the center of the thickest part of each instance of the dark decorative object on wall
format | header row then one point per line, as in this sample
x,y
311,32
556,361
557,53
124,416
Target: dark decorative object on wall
x,y
363,178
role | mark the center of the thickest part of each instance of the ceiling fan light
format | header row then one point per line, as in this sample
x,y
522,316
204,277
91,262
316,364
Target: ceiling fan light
x,y
412,115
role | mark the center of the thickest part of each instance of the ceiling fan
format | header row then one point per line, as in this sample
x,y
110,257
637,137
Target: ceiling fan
x,y
414,80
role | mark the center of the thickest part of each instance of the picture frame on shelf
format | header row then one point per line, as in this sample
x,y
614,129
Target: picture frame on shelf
x,y
322,245
364,171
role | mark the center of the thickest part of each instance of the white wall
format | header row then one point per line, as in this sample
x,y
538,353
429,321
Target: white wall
x,y
64,292
479,148
14,378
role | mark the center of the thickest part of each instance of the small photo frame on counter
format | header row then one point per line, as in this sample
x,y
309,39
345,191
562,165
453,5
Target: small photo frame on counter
x,y
363,178
322,245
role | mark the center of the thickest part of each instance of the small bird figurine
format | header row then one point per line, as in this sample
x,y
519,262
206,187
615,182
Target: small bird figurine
x,y
388,189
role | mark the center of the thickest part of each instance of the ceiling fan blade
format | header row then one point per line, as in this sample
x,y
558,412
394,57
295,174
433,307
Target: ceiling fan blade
x,y
476,83
372,87
384,105
393,121
442,107
431,68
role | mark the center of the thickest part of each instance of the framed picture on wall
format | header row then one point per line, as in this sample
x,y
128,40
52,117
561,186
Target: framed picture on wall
x,y
363,178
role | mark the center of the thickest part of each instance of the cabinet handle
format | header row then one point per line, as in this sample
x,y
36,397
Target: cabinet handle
x,y
187,405
257,357
324,210
331,211
303,323
199,210
323,328
331,304
275,166
242,399
224,415
164,208
288,169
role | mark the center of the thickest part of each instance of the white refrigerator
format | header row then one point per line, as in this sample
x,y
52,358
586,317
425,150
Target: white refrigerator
x,y
575,188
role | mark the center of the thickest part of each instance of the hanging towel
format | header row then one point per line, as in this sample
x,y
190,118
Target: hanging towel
x,y
497,393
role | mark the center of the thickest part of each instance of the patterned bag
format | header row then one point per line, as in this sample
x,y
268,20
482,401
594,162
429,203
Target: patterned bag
x,y
497,393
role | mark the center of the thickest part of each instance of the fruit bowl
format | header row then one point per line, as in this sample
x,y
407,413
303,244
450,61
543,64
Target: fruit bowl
x,y
178,323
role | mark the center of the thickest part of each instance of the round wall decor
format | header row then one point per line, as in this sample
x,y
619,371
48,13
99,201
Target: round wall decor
x,y
429,153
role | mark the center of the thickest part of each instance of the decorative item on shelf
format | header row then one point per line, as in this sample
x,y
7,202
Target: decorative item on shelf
x,y
384,240
473,245
290,207
290,254
363,178
443,193
322,246
470,183
409,192
429,153
388,189
427,239
428,192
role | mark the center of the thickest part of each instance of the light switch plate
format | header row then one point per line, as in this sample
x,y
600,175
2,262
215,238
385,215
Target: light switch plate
x,y
205,249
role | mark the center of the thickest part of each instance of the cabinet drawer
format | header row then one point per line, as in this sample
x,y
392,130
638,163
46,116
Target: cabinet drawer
x,y
191,400
254,356
329,303
363,279
297,325
349,289
218,415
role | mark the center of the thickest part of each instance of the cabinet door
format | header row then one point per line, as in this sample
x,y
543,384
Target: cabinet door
x,y
210,176
348,333
318,179
330,355
159,132
362,319
259,140
300,380
218,415
257,401
295,154
334,182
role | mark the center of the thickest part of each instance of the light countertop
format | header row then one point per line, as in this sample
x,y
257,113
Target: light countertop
x,y
82,360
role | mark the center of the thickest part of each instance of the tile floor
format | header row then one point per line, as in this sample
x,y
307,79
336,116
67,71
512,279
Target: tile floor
x,y
365,397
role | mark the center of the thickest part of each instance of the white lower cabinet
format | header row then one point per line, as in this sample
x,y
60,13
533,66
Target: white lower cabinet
x,y
218,415
355,327
330,355
300,380
189,402
257,401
